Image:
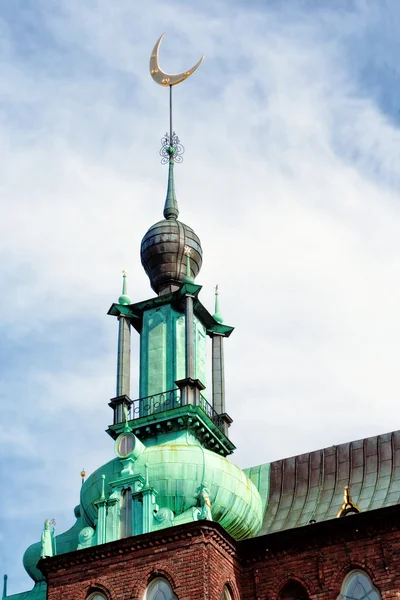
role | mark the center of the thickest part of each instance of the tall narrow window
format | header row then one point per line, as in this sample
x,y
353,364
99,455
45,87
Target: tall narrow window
x,y
126,513
159,589
358,586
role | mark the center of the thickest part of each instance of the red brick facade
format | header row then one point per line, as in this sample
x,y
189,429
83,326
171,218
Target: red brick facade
x,y
199,558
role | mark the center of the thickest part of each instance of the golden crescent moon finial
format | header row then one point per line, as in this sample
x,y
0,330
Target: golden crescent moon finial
x,y
163,78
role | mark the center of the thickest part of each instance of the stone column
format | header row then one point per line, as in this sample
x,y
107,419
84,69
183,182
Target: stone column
x,y
189,335
218,374
124,357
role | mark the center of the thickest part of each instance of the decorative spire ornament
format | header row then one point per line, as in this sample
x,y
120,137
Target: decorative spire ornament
x,y
124,347
217,314
171,148
124,298
348,507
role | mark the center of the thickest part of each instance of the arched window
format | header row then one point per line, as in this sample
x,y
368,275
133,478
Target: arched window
x,y
226,594
293,590
96,596
126,513
358,586
159,589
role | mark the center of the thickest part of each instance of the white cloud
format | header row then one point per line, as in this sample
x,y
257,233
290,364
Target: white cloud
x,y
290,178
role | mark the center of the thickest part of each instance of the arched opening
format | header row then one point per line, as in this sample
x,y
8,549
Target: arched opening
x,y
226,593
358,586
293,590
96,596
126,513
159,589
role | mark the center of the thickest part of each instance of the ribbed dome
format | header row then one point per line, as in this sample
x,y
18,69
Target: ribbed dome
x,y
176,470
163,256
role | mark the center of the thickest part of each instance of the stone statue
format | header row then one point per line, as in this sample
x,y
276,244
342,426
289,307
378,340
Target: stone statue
x,y
47,544
205,504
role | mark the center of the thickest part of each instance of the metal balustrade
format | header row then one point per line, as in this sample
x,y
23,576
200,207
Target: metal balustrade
x,y
157,403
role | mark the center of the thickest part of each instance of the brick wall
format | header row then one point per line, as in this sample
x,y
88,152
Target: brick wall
x,y
320,555
198,559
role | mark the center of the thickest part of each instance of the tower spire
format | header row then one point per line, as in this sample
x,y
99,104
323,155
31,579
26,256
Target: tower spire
x,y
171,148
217,314
124,346
122,402
171,210
124,298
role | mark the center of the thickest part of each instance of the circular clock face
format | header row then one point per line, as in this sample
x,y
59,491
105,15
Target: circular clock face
x,y
97,596
125,444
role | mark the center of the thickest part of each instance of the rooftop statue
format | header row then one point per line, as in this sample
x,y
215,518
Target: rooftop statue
x,y
46,540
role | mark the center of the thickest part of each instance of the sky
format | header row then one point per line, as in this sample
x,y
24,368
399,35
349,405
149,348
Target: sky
x,y
290,178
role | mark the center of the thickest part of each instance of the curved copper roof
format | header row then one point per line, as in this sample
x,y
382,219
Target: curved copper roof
x,y
310,486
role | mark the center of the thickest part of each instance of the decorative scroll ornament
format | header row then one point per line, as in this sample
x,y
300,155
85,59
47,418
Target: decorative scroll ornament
x,y
171,149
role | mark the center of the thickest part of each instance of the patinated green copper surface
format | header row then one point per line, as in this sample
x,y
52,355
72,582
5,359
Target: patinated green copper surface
x,y
175,299
310,486
38,592
162,350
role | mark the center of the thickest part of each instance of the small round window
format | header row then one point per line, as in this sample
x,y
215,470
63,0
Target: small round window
x,y
96,596
125,444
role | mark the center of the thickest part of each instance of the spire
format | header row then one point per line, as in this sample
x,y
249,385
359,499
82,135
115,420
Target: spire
x,y
217,315
124,347
171,148
124,298
171,210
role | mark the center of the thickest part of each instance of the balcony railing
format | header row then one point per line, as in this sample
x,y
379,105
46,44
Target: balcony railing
x,y
150,405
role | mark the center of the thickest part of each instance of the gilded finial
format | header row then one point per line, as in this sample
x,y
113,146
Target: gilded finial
x,y
124,299
348,507
171,148
83,475
166,79
217,314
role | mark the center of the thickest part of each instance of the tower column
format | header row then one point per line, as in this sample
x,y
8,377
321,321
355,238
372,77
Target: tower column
x,y
122,402
189,337
218,374
124,357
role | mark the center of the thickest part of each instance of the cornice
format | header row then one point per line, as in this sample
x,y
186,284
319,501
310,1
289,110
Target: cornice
x,y
317,536
202,531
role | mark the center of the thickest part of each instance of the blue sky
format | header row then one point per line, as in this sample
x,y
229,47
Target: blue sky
x,y
291,179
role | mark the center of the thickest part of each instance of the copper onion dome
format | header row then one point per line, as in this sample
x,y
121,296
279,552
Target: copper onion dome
x,y
164,248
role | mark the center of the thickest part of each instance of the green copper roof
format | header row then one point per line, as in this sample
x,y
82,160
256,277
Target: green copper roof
x,y
311,486
176,470
38,592
135,311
